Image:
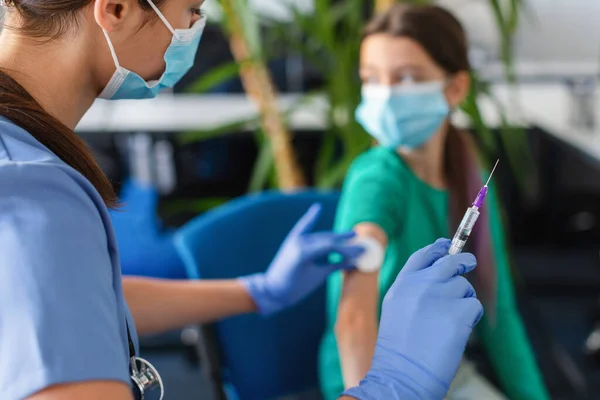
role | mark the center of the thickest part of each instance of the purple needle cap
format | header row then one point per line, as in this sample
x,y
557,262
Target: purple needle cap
x,y
481,195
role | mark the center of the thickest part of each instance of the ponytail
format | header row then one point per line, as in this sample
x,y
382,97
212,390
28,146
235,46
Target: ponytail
x,y
22,109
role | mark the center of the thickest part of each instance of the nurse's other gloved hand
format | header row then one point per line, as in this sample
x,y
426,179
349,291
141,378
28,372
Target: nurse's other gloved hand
x,y
301,265
427,318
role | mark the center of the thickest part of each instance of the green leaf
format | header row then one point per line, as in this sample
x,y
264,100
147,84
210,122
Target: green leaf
x,y
471,108
503,24
214,77
333,178
513,17
263,167
325,156
516,146
341,10
323,25
250,27
309,48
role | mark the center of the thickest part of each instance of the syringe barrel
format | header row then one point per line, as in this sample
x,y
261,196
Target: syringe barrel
x,y
464,230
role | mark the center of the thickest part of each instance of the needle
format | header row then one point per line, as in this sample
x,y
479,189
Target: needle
x,y
492,173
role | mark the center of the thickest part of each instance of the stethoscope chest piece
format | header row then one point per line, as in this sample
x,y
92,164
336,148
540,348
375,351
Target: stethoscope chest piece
x,y
146,381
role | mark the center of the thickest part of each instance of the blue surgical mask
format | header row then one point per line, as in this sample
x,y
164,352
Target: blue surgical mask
x,y
406,115
179,58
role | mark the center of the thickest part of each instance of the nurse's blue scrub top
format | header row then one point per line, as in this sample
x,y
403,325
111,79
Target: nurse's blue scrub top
x,y
62,309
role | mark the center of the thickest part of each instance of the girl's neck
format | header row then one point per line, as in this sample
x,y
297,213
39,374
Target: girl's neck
x,y
427,162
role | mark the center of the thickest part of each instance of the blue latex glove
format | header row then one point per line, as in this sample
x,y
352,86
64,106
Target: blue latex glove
x,y
300,266
427,317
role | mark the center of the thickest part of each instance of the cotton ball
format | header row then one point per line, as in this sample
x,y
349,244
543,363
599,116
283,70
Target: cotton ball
x,y
372,257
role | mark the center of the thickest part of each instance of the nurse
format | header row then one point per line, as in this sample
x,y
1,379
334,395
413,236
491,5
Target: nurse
x,y
66,314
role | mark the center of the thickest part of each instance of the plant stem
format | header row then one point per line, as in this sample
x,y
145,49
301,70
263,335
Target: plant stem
x,y
383,5
259,87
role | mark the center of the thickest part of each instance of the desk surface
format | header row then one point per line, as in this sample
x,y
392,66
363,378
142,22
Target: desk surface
x,y
544,105
176,113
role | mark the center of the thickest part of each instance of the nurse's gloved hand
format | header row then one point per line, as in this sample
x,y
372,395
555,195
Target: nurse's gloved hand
x,y
427,318
300,266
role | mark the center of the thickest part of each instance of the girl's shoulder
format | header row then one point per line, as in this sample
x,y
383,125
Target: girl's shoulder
x,y
378,163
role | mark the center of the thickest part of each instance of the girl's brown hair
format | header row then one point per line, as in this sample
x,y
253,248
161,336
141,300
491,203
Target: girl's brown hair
x,y
444,39
47,20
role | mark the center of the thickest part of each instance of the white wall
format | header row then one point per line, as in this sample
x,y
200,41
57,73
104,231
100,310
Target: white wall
x,y
557,31
565,30
273,9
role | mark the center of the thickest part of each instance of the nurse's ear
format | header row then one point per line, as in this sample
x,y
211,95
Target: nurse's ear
x,y
457,88
118,15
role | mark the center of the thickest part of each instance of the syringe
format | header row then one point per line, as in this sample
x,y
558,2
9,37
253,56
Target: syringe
x,y
468,222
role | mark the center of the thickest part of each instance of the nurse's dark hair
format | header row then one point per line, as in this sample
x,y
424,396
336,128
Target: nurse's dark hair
x,y
441,35
47,20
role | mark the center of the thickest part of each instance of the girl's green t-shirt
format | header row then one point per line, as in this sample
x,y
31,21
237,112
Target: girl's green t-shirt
x,y
380,188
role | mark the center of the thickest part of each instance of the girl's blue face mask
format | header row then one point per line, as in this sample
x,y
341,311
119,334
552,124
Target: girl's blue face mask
x,y
406,115
179,58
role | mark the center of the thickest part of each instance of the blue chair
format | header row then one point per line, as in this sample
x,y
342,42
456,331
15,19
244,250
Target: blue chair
x,y
145,248
264,357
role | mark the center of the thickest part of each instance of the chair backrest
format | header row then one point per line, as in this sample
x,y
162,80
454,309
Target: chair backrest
x,y
145,248
265,357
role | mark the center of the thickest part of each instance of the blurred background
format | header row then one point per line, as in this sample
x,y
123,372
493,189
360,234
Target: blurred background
x,y
206,143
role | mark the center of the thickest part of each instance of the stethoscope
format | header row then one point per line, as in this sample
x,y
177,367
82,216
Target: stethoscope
x,y
144,376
